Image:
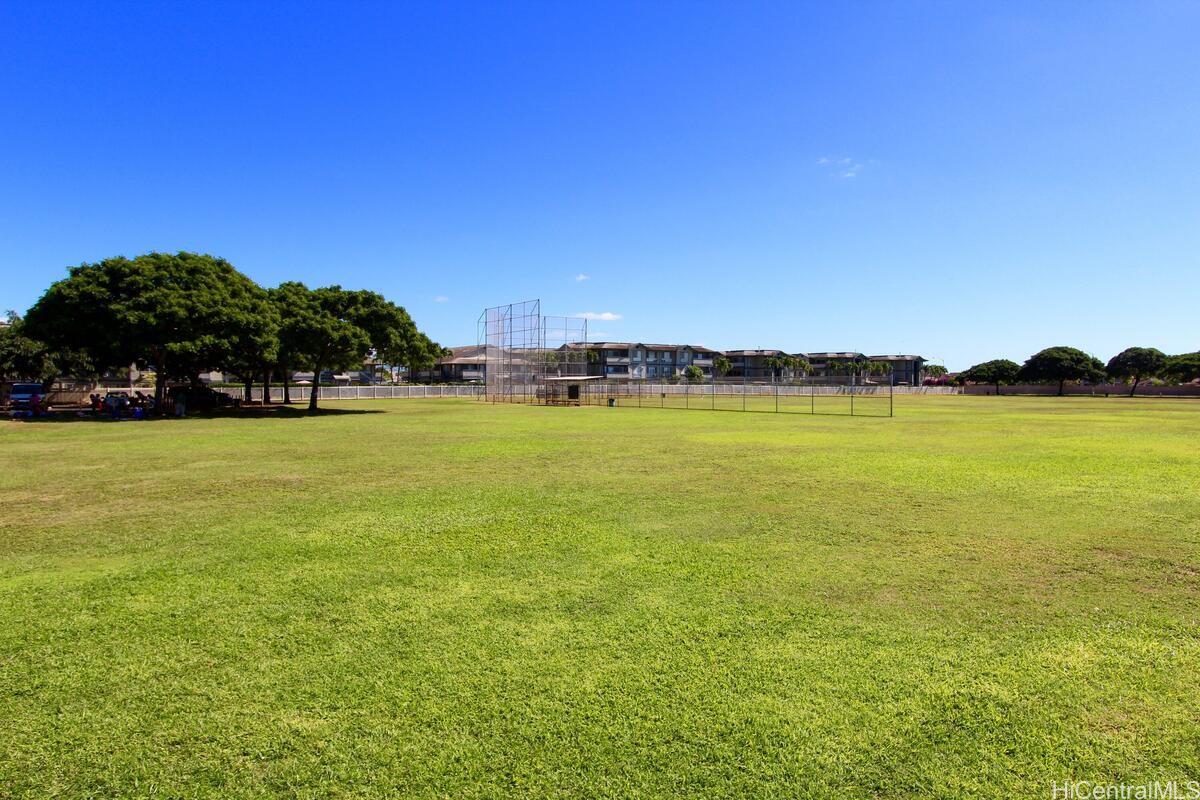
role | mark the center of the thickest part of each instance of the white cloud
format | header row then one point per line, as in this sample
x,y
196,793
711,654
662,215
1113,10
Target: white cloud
x,y
581,277
843,166
602,316
441,298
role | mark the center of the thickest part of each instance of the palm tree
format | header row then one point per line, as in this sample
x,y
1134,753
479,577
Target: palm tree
x,y
776,364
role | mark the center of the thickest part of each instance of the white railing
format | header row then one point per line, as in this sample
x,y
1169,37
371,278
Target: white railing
x,y
301,393
770,390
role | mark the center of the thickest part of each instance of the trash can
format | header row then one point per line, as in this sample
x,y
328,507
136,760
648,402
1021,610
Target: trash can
x,y
612,402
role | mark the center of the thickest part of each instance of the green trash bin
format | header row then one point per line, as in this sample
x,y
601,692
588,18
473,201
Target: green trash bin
x,y
612,402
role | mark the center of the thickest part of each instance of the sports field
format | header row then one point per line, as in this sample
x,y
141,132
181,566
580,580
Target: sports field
x,y
449,599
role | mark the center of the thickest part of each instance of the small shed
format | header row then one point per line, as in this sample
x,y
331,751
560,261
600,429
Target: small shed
x,y
566,390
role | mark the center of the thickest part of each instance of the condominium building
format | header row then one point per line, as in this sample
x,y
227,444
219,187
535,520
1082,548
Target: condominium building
x,y
907,370
650,362
641,361
753,364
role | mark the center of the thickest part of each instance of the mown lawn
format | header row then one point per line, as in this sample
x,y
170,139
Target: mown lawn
x,y
448,599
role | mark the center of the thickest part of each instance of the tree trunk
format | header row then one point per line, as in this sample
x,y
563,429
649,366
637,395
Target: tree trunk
x,y
1136,381
267,386
160,391
997,388
287,394
249,386
312,397
160,380
1061,384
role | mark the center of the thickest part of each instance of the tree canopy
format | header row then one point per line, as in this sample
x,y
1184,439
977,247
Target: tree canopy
x,y
186,313
181,313
996,372
1183,368
1137,364
1061,364
23,358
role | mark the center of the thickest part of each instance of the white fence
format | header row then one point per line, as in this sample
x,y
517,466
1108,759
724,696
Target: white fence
x,y
301,393
772,389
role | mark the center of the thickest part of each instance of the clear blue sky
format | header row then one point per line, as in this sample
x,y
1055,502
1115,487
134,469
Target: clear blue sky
x,y
961,180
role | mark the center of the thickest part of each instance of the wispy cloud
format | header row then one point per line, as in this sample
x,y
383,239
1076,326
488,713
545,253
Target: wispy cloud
x,y
581,277
843,166
602,316
441,298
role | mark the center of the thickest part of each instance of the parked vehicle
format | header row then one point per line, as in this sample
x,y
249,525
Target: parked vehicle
x,y
20,395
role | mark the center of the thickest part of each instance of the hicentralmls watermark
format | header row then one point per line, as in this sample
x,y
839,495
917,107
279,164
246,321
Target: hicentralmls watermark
x,y
1155,790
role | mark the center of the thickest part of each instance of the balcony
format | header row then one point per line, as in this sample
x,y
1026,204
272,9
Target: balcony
x,y
612,360
702,362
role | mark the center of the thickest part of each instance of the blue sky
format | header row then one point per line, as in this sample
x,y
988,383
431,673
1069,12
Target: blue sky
x,y
961,180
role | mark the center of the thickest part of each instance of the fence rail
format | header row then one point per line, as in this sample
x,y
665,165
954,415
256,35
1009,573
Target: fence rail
x,y
301,393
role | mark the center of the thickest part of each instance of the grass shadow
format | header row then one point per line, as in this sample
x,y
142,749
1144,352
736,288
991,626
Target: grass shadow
x,y
259,412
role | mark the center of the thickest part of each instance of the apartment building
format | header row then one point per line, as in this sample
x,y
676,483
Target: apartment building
x,y
907,370
642,361
752,364
830,364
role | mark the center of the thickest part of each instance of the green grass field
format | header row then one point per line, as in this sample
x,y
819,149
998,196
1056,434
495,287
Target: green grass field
x,y
449,599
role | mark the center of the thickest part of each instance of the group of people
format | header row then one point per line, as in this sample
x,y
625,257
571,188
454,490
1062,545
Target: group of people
x,y
38,406
121,405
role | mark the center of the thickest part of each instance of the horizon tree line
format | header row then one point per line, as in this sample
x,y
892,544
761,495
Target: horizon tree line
x,y
1061,364
183,314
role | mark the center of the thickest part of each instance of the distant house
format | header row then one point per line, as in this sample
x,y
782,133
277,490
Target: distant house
x,y
466,363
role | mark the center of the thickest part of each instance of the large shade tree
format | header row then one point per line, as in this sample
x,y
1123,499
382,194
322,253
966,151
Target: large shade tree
x,y
1137,364
1061,364
996,372
335,328
179,314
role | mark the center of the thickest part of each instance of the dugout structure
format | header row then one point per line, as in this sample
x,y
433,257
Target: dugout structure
x,y
530,357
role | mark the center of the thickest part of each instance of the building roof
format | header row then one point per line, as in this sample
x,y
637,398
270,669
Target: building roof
x,y
754,352
896,358
811,356
626,345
